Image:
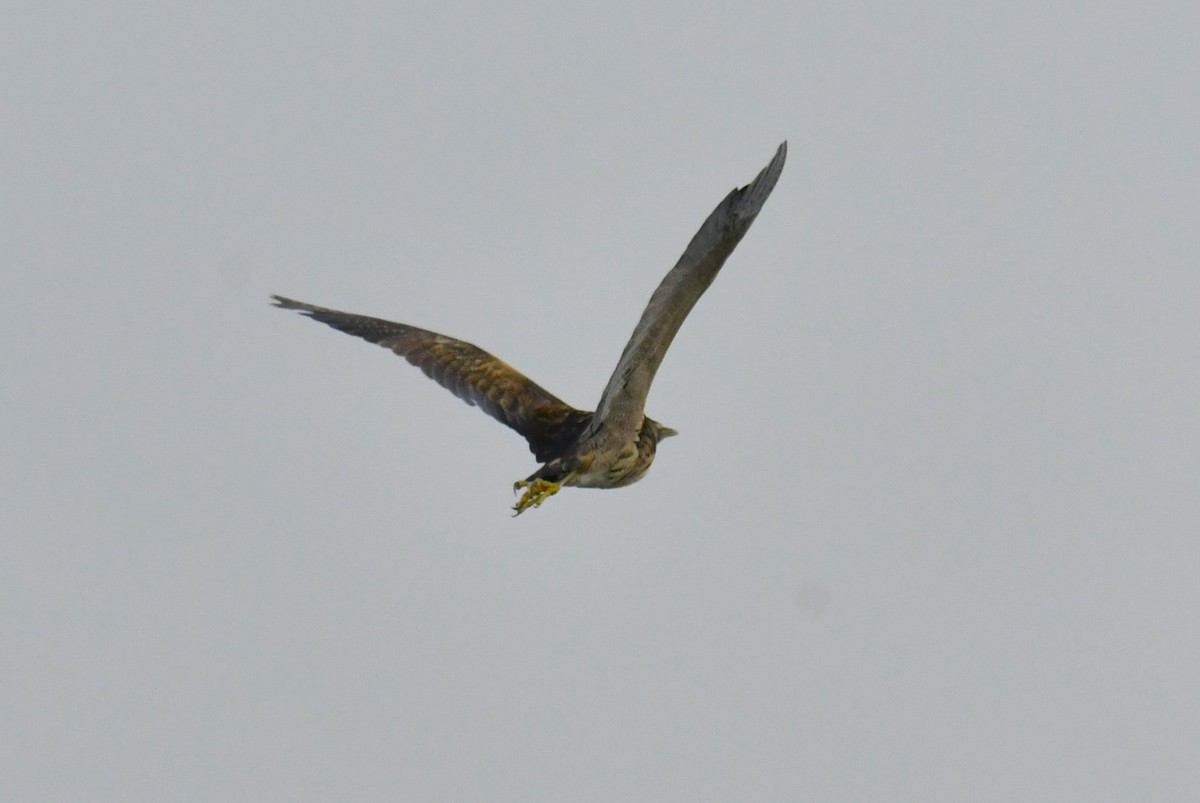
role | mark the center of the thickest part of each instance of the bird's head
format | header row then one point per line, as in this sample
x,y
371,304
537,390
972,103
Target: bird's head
x,y
661,432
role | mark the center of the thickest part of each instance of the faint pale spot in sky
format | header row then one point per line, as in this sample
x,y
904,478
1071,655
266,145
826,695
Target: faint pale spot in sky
x,y
812,597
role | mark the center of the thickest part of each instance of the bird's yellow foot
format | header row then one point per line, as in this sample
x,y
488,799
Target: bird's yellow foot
x,y
536,492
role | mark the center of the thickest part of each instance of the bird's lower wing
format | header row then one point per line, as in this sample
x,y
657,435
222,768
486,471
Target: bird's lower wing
x,y
624,399
470,373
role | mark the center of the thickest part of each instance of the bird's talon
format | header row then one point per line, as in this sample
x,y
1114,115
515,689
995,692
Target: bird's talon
x,y
536,492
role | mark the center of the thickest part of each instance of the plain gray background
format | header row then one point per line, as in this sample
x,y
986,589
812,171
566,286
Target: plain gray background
x,y
929,531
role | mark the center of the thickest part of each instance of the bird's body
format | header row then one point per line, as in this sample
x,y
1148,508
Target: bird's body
x,y
615,445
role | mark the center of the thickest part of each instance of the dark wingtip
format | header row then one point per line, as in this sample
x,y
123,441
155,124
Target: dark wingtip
x,y
283,302
770,174
746,202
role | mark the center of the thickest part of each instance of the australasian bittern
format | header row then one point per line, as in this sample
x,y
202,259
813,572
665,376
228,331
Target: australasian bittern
x,y
615,445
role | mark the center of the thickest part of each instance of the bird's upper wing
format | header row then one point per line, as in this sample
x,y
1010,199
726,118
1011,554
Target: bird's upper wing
x,y
624,399
470,373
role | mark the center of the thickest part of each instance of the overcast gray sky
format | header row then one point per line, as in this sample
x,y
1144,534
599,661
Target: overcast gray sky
x,y
929,531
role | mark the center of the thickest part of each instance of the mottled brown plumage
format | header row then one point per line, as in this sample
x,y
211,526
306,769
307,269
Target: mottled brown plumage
x,y
470,373
615,445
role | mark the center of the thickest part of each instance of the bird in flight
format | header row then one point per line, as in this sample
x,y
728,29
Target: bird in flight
x,y
615,445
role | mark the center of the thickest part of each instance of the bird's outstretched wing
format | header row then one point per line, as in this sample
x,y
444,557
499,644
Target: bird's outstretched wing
x,y
624,399
470,373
